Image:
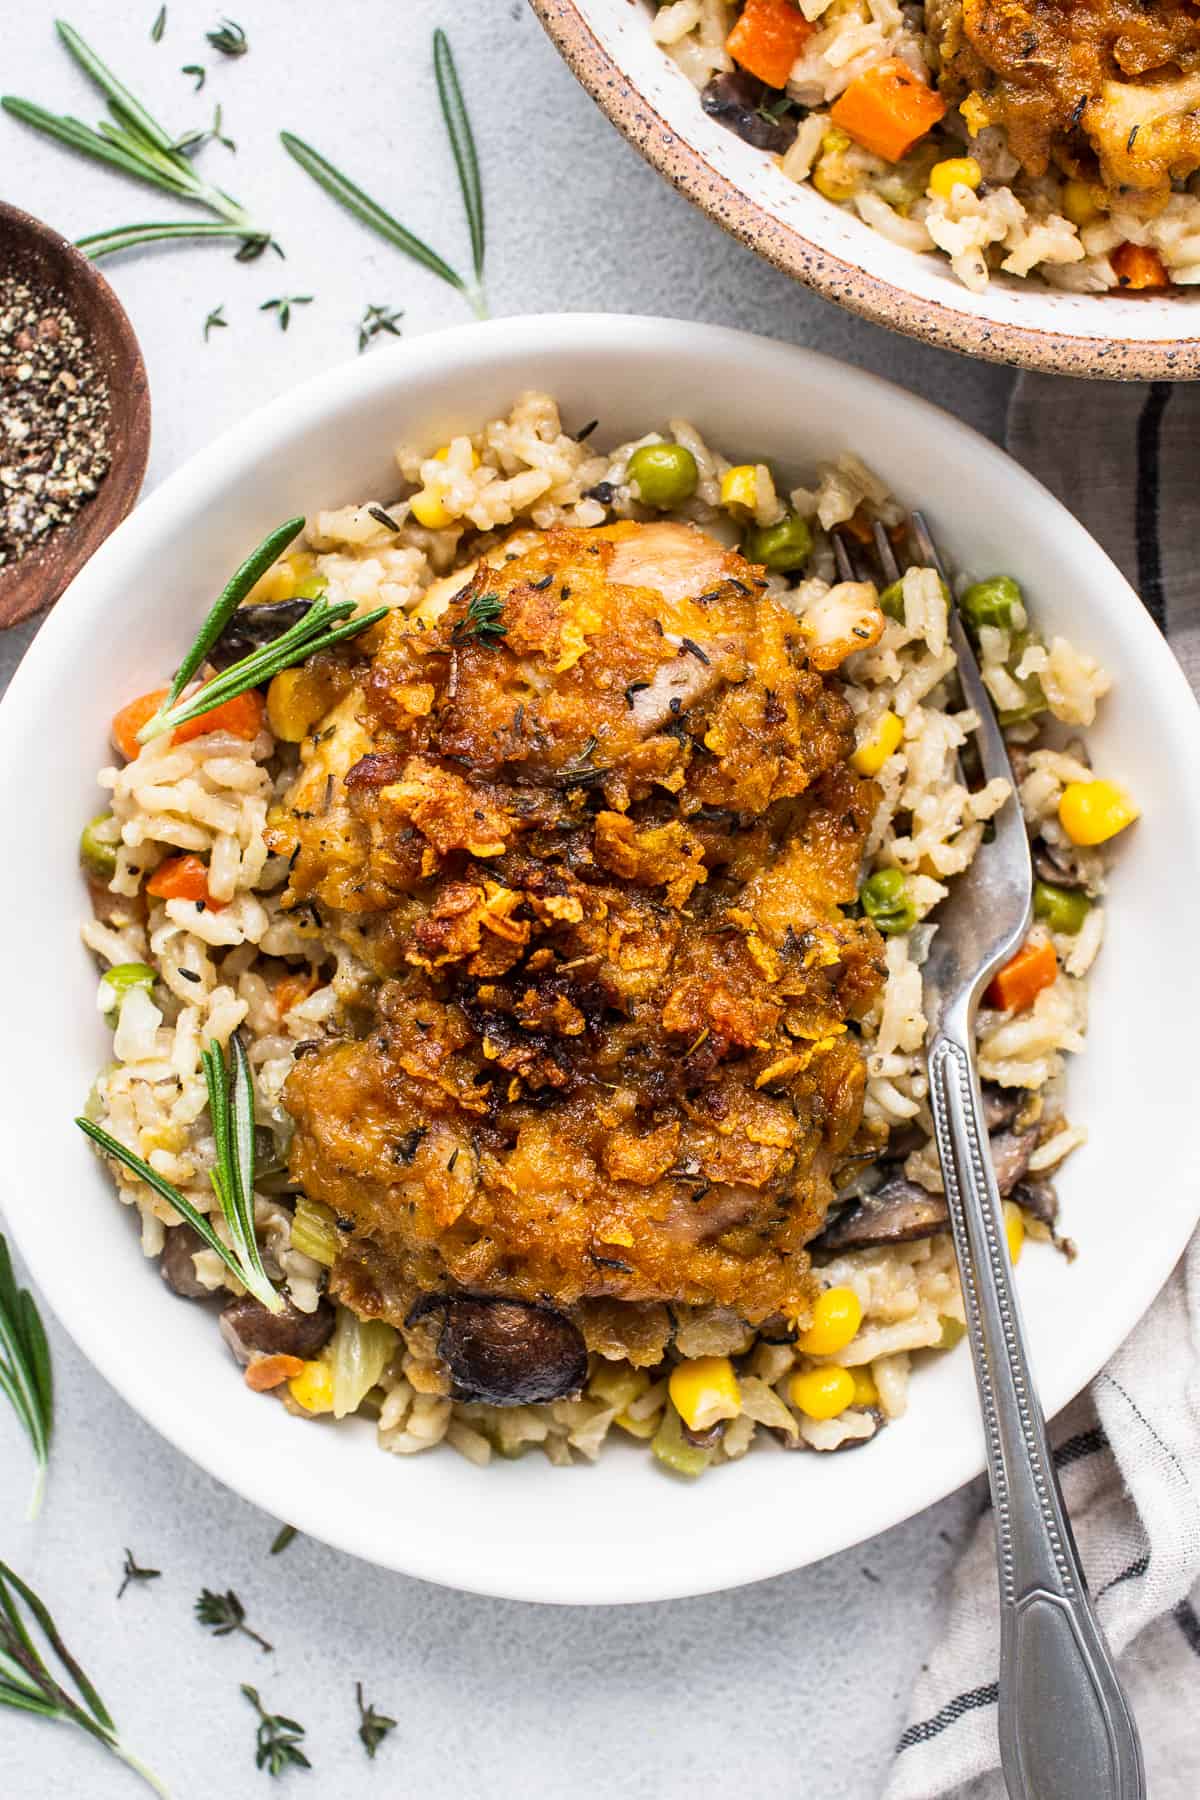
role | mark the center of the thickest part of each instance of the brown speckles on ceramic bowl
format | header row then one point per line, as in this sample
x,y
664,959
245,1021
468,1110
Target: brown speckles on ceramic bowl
x,y
1121,337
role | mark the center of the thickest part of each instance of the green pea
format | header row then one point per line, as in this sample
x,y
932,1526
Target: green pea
x,y
891,601
665,475
1063,909
886,901
784,547
124,977
96,853
994,602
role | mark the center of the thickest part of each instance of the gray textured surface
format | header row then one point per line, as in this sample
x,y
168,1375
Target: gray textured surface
x,y
795,1686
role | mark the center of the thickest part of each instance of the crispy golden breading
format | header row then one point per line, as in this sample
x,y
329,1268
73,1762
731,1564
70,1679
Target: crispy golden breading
x,y
1106,88
597,860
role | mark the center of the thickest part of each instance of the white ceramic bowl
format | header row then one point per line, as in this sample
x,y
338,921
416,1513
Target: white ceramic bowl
x,y
607,43
622,1530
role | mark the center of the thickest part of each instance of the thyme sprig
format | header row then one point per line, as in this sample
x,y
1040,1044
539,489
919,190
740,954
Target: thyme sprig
x,y
373,1726
481,622
131,1572
132,141
282,306
228,38
25,1373
462,144
28,1685
231,1104
225,1614
277,1742
376,319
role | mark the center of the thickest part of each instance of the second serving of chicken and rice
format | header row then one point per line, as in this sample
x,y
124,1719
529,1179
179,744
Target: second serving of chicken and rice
x,y
541,962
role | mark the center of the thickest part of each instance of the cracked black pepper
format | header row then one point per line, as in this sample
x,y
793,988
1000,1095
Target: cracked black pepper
x,y
54,418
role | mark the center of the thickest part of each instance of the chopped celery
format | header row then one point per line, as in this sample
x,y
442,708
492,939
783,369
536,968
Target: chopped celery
x,y
673,1449
122,978
314,1232
361,1350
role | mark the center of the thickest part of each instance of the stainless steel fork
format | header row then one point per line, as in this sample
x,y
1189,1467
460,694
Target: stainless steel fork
x,y
1066,1730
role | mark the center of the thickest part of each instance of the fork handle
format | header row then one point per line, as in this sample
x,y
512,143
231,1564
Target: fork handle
x,y
1066,1731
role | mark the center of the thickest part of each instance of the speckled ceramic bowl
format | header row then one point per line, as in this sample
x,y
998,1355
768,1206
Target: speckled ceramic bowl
x,y
1124,337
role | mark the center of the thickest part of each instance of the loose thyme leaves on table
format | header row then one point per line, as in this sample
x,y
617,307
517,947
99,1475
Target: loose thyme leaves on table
x,y
282,306
277,1741
376,319
373,1726
216,320
159,26
191,141
28,1684
25,1372
224,1614
132,141
198,73
229,39
54,417
133,1573
282,1539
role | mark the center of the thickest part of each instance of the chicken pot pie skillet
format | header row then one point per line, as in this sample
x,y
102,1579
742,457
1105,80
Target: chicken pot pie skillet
x,y
571,921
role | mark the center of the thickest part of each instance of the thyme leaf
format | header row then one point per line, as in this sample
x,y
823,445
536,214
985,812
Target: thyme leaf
x,y
198,71
26,1377
133,1573
282,1539
374,320
277,1741
27,1683
373,1726
224,1614
282,306
228,38
215,320
159,26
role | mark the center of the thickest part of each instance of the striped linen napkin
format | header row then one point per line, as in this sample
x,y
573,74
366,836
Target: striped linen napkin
x,y
1124,459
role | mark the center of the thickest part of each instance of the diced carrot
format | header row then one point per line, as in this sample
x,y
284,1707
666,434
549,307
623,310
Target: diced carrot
x,y
887,108
1016,986
1137,266
183,878
129,721
768,38
267,1372
242,717
291,989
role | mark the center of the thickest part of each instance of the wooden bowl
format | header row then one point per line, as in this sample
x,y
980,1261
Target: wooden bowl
x,y
34,252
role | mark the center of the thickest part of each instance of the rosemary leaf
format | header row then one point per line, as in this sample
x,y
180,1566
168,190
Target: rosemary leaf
x,y
462,144
28,1684
340,188
127,105
132,237
26,1377
229,599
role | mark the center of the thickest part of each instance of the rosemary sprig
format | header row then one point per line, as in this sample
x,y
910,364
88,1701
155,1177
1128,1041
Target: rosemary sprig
x,y
28,1685
25,1372
132,141
277,1742
131,1572
373,1726
228,38
462,144
480,622
225,1614
231,1104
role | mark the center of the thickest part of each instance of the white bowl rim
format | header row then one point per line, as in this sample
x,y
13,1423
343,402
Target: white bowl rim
x,y
82,612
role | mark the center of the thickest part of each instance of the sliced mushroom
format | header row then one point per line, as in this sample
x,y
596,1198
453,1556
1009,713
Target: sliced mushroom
x,y
897,1213
250,1330
740,103
1039,1198
176,1267
507,1352
1011,1151
253,626
1047,867
1000,1105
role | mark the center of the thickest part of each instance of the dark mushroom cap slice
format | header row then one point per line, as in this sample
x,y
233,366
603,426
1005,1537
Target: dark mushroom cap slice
x,y
899,1212
506,1352
1011,1151
253,626
176,1267
743,104
250,1330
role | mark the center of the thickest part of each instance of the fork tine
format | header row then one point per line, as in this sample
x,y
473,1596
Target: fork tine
x,y
841,557
925,545
885,553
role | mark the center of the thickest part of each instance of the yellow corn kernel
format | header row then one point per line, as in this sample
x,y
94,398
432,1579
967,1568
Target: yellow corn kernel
x,y
822,1393
1014,1229
293,705
443,455
312,1388
705,1390
739,488
837,1315
1078,203
873,752
865,1391
1091,812
836,184
956,171
430,510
